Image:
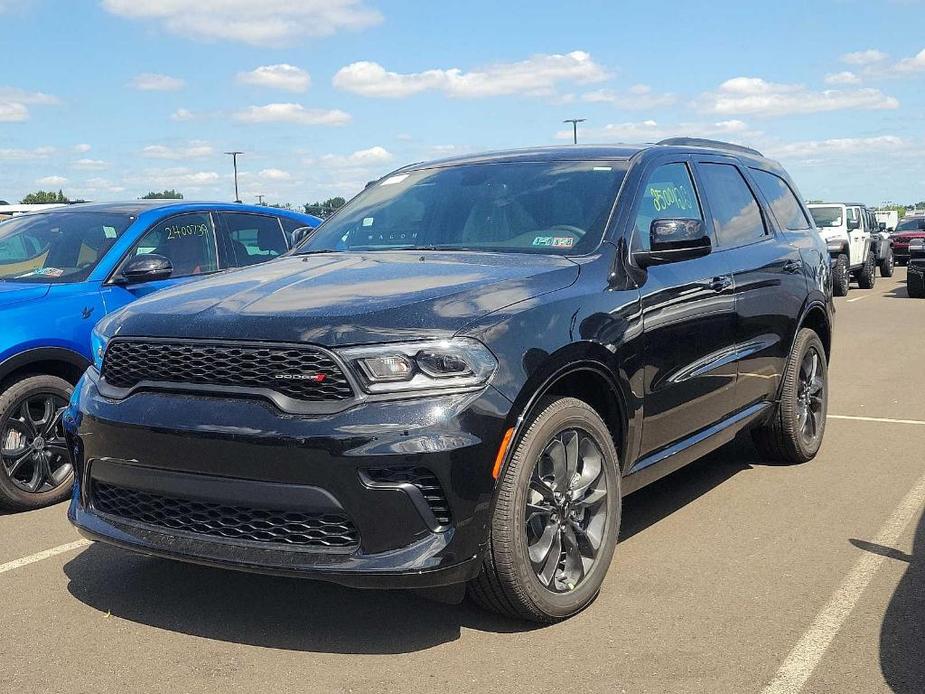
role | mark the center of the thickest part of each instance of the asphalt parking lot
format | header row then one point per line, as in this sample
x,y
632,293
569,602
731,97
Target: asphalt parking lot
x,y
732,576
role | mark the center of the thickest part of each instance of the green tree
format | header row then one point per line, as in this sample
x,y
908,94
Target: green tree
x,y
163,195
44,197
326,208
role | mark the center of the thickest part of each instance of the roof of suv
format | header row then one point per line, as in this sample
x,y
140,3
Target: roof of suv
x,y
134,207
594,152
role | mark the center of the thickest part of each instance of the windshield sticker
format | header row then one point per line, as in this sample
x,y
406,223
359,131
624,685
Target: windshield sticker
x,y
367,221
554,241
669,196
602,168
110,232
392,180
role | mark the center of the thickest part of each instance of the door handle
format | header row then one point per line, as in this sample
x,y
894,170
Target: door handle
x,y
720,284
792,267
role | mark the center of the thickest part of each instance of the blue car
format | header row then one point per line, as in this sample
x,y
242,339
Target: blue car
x,y
64,269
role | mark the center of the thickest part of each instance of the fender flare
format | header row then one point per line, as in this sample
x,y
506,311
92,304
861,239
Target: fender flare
x,y
40,354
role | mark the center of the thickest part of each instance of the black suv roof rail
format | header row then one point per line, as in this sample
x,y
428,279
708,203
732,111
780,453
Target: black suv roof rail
x,y
703,142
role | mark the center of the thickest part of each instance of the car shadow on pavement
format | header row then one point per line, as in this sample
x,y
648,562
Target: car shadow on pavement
x,y
302,615
898,292
902,634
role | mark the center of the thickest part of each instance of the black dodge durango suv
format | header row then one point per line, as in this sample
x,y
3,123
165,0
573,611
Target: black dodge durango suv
x,y
456,379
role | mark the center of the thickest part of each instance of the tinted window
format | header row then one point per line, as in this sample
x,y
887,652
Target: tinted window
x,y
668,194
736,215
784,203
917,224
254,238
290,225
187,240
57,246
524,207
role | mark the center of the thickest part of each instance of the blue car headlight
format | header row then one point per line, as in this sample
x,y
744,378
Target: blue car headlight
x,y
98,343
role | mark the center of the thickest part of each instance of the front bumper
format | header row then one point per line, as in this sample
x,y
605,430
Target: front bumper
x,y
221,455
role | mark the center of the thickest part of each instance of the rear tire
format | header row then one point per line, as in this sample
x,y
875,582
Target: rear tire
x,y
867,275
27,412
887,264
840,276
794,434
566,457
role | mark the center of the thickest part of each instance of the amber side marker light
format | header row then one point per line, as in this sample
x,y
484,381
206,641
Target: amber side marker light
x,y
502,451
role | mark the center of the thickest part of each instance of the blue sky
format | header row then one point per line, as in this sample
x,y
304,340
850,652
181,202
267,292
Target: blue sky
x,y
110,99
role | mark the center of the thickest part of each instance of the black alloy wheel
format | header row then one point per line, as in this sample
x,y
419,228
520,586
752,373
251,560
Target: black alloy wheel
x,y
810,394
35,463
566,510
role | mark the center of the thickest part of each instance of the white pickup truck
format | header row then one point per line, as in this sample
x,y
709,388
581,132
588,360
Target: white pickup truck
x,y
842,226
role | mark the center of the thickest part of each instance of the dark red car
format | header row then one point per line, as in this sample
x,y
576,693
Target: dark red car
x,y
908,229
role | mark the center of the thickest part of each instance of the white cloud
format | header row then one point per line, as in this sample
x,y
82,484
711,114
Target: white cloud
x,y
362,158
51,181
844,145
89,164
914,64
282,76
15,102
13,112
653,131
274,175
865,57
15,154
267,22
639,97
843,77
94,187
177,177
193,150
82,148
155,82
755,96
535,76
181,115
292,113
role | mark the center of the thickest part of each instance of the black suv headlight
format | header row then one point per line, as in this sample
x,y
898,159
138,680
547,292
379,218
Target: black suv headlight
x,y
415,366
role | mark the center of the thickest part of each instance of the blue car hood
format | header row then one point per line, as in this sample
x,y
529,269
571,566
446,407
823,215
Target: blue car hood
x,y
347,298
16,292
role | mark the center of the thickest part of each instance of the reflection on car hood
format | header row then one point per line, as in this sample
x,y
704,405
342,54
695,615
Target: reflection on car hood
x,y
347,298
16,292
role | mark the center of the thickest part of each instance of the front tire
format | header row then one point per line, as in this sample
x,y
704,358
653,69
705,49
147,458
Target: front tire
x,y
556,518
840,276
794,434
887,264
35,466
867,275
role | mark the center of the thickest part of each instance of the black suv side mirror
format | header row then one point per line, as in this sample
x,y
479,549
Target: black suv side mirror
x,y
674,240
882,226
300,234
146,268
854,224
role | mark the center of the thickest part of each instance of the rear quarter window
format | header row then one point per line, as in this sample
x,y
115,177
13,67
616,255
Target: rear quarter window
x,y
784,203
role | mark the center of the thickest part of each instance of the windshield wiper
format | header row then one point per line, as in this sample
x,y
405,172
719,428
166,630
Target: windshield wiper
x,y
317,251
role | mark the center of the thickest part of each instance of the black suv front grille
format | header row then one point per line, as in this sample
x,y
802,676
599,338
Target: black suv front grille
x,y
292,528
301,373
422,478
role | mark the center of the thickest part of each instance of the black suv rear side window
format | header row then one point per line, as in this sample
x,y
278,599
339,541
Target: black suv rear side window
x,y
736,215
667,194
784,203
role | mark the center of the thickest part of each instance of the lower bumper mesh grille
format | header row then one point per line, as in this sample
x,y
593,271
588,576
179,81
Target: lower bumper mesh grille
x,y
424,480
293,528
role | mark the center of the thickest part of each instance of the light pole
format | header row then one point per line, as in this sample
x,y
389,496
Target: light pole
x,y
234,161
575,122
259,199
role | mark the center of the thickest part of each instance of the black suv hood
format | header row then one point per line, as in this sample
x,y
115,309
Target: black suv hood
x,y
347,298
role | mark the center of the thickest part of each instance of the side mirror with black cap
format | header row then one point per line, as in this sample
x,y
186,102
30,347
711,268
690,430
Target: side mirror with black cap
x,y
674,240
854,224
300,234
145,268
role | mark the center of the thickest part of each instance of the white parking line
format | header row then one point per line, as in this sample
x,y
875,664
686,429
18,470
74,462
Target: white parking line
x,y
885,420
39,556
858,298
805,656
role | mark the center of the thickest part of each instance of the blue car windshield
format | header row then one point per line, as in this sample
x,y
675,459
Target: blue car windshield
x,y
556,207
57,246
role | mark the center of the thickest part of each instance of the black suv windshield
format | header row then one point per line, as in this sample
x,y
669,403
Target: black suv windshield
x,y
57,246
525,207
